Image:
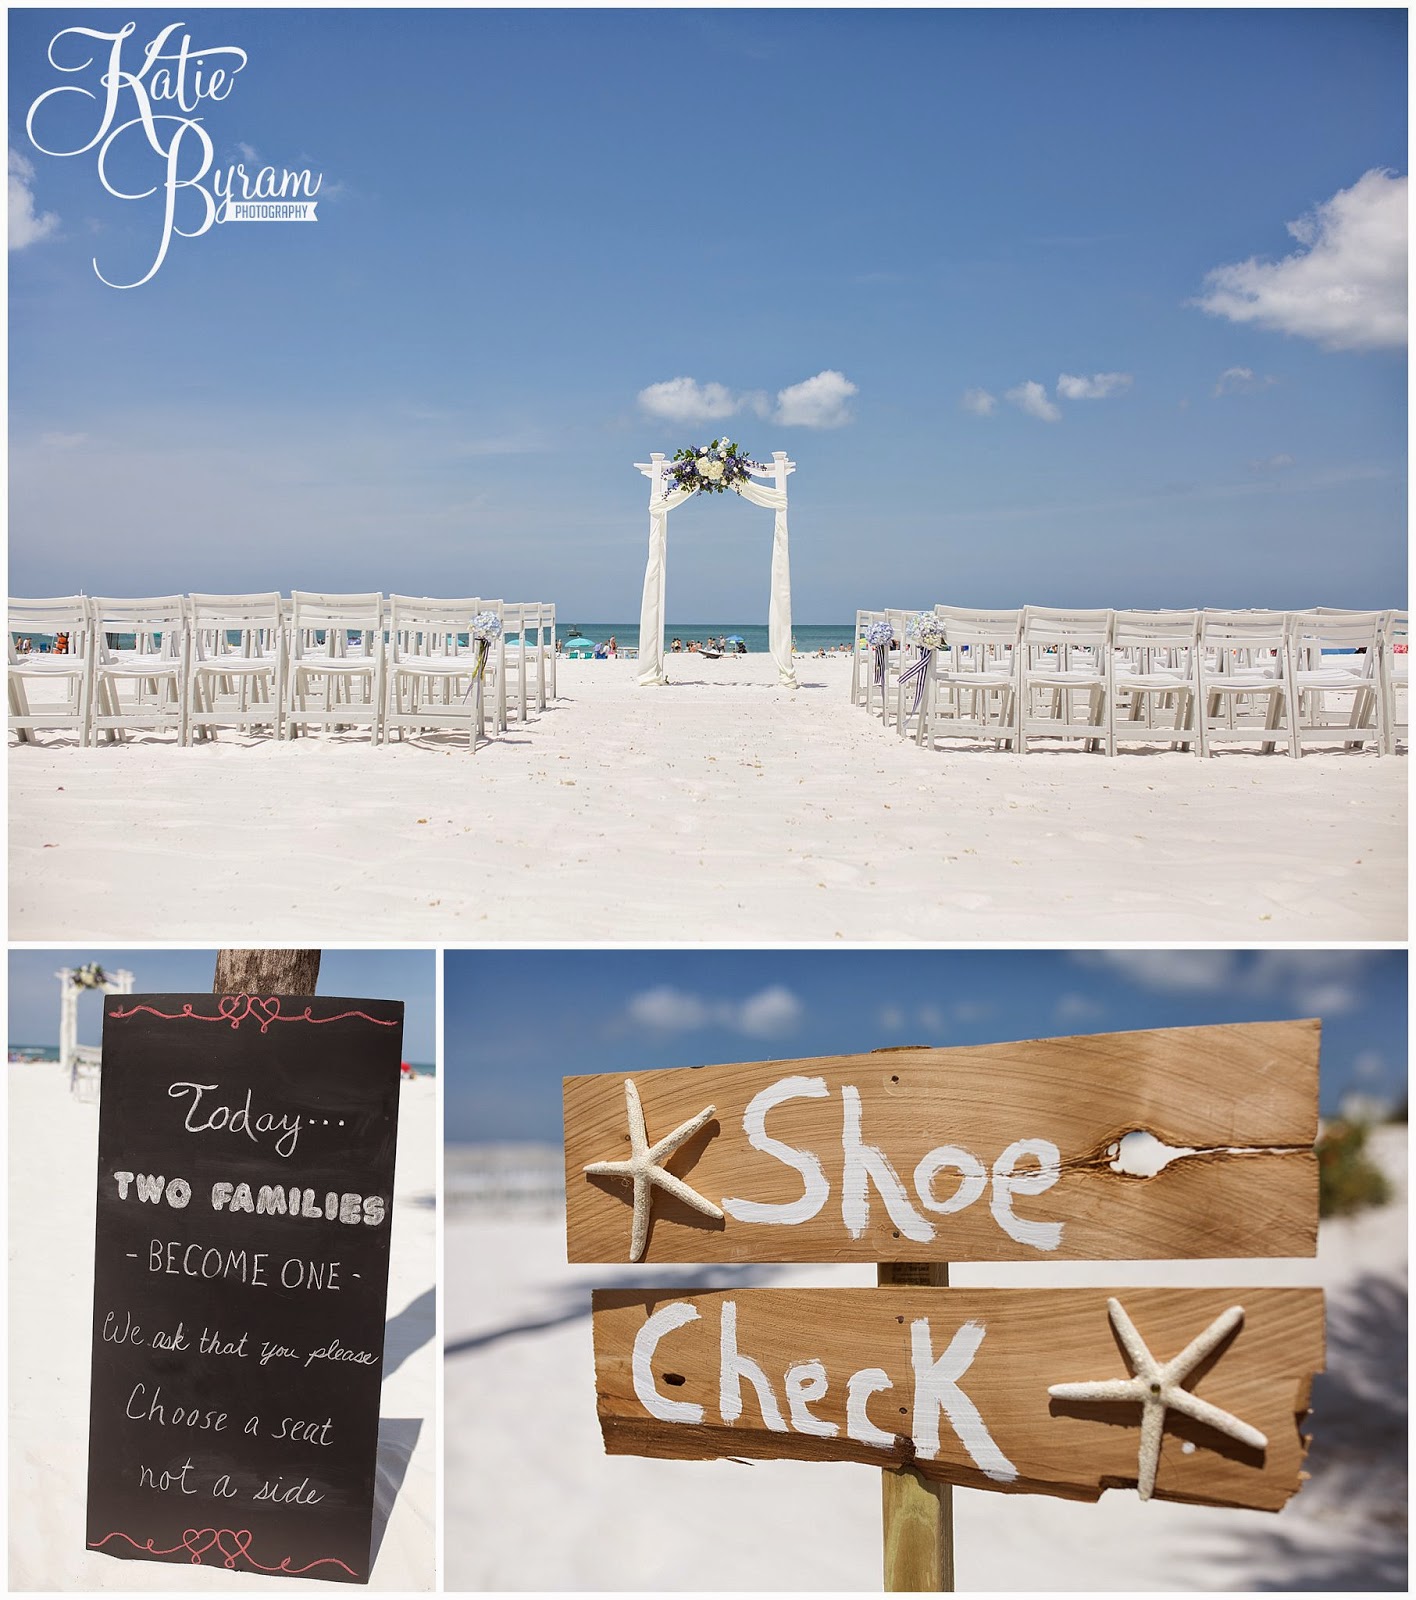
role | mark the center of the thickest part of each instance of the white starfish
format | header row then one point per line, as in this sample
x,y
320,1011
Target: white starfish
x,y
645,1168
1157,1387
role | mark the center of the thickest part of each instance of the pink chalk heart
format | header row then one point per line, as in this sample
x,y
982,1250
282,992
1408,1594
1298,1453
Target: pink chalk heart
x,y
268,1010
198,1541
241,1542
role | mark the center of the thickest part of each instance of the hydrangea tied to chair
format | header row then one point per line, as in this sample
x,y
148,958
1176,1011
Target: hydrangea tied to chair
x,y
441,653
925,632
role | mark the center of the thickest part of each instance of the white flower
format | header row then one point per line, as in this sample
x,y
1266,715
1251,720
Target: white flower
x,y
701,466
715,471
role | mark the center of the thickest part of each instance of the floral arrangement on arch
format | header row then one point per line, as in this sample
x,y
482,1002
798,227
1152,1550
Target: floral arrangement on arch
x,y
90,976
711,467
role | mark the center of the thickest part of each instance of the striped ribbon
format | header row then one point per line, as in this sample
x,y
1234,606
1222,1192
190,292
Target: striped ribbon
x,y
919,672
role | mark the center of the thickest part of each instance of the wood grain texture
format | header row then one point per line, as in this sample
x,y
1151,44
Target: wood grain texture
x,y
1033,1338
1244,1096
266,971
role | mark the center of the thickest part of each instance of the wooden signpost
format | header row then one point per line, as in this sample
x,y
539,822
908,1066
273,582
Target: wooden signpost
x,y
245,1186
913,1158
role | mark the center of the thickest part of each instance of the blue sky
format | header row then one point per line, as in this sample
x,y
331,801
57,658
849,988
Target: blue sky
x,y
868,229
517,1022
406,975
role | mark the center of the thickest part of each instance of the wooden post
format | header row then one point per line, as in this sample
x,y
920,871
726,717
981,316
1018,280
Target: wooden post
x,y
918,1513
266,971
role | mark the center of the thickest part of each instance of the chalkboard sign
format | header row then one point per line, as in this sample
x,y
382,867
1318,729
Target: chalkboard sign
x,y
245,1186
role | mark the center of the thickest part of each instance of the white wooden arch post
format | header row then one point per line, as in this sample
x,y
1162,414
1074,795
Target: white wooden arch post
x,y
74,1058
779,610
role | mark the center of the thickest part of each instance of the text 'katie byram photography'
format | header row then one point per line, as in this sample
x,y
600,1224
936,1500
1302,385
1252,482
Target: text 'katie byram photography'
x,y
154,101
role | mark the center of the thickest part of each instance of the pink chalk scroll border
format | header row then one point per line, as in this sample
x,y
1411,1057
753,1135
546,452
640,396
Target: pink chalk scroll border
x,y
238,1008
197,1541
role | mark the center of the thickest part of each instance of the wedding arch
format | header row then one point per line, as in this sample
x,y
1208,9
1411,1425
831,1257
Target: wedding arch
x,y
81,1061
663,500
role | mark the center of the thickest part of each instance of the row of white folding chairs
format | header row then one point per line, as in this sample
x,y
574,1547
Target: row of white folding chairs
x,y
1192,678
199,662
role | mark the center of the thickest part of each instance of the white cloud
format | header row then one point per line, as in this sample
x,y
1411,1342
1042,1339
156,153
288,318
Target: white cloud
x,y
771,1011
27,226
1176,970
1272,463
931,1017
1346,286
818,402
774,1010
1241,380
980,402
1369,1064
1323,983
1329,999
1075,1008
62,441
1032,398
1096,387
891,1018
687,400
1274,968
668,1010
971,1010
247,150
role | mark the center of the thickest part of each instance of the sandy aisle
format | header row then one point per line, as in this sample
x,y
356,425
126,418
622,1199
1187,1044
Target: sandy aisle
x,y
721,808
53,1152
523,1442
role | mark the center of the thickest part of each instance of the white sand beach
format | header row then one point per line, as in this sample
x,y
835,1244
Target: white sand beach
x,y
53,1148
719,808
532,1501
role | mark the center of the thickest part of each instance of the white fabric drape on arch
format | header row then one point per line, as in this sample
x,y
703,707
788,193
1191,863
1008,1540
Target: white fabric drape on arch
x,y
651,611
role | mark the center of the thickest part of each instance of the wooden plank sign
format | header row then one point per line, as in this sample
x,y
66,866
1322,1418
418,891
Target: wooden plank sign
x,y
960,1384
245,1188
980,1153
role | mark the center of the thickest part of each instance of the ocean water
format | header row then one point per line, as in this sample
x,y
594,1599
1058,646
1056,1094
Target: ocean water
x,y
808,637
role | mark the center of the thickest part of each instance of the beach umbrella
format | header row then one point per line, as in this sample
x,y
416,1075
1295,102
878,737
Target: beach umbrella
x,y
733,638
579,643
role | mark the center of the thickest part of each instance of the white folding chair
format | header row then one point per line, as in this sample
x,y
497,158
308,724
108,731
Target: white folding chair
x,y
517,619
972,687
1332,657
1395,678
436,669
237,665
335,677
1154,672
36,628
1065,654
874,665
861,657
142,684
533,615
548,644
1243,696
